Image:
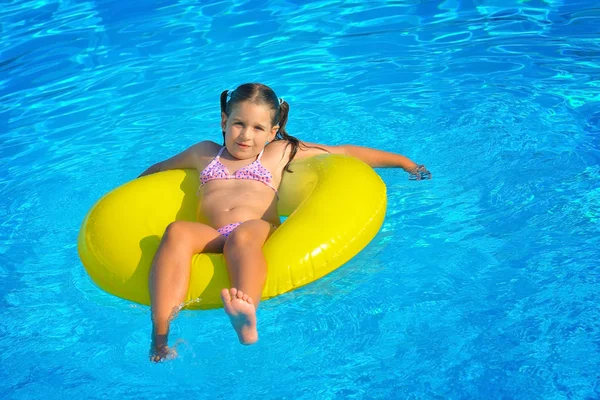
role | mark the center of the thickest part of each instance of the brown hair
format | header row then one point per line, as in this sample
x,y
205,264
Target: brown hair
x,y
262,94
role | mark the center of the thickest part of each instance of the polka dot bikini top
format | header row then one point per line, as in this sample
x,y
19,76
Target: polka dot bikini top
x,y
254,171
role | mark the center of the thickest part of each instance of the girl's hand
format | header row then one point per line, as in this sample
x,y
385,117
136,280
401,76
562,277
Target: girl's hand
x,y
419,173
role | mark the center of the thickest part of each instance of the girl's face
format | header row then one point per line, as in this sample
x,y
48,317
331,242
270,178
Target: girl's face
x,y
248,129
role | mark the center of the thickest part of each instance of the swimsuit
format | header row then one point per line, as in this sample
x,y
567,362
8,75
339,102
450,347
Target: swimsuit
x,y
227,229
255,171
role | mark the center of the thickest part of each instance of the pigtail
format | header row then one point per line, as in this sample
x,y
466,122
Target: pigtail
x,y
224,108
224,101
282,118
284,109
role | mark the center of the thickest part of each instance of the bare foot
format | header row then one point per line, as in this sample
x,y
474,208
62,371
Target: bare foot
x,y
242,313
159,351
162,353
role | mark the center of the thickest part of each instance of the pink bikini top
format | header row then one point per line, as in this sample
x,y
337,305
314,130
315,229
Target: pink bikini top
x,y
255,171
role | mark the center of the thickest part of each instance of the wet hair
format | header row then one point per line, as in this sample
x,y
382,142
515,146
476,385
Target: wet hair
x,y
262,94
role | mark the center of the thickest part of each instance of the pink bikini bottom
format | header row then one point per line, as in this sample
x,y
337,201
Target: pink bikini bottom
x,y
227,229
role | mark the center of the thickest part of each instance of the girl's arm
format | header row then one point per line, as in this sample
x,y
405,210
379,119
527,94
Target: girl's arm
x,y
375,158
188,158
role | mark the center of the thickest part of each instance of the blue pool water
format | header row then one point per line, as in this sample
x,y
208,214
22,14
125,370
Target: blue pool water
x,y
483,282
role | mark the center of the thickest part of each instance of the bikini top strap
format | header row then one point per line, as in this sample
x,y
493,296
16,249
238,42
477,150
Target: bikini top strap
x,y
220,152
260,155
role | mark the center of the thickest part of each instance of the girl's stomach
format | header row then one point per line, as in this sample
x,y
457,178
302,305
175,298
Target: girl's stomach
x,y
227,201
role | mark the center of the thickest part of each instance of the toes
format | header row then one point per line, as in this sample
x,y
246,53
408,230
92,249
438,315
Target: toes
x,y
225,296
156,358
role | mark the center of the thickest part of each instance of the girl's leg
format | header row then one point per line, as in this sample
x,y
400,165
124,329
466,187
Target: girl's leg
x,y
247,269
170,275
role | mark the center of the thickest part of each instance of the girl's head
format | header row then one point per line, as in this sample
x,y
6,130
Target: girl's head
x,y
251,116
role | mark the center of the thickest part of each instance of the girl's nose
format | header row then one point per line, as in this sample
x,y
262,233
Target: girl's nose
x,y
244,132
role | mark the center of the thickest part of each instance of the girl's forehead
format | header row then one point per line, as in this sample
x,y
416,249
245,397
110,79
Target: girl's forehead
x,y
250,109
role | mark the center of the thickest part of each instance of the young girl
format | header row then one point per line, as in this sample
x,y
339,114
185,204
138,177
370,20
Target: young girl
x,y
238,207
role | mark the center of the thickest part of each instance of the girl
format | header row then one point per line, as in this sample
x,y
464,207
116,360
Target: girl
x,y
238,207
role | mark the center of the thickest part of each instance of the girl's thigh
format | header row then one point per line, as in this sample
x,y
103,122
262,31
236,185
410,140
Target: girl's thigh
x,y
254,232
196,237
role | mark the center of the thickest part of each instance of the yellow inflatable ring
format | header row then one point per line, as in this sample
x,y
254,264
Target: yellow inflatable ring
x,y
336,205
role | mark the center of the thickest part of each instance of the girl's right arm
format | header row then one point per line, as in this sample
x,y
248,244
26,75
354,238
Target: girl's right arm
x,y
189,158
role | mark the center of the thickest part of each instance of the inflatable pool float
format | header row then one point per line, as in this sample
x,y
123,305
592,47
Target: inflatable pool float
x,y
335,206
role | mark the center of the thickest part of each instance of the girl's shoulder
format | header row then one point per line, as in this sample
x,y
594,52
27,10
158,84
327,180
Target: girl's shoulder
x,y
277,145
206,148
277,153
278,148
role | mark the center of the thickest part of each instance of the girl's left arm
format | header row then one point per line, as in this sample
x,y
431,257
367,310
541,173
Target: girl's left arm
x,y
375,158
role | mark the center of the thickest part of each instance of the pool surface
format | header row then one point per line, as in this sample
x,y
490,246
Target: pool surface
x,y
482,283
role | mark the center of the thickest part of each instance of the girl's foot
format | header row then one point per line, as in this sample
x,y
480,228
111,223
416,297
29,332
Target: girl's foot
x,y
242,313
161,353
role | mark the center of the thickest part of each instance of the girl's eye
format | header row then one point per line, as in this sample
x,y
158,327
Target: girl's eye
x,y
258,128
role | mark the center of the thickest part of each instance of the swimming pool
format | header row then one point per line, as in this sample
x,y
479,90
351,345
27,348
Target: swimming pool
x,y
483,282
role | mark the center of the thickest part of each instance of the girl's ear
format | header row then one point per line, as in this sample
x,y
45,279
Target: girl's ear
x,y
273,132
223,121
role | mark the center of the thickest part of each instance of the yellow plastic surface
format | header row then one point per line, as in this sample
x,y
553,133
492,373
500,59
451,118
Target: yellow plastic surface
x,y
336,205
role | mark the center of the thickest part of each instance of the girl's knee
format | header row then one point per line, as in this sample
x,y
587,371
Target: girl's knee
x,y
176,233
238,238
244,235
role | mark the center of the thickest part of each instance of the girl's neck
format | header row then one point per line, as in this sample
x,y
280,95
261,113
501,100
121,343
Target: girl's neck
x,y
230,157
